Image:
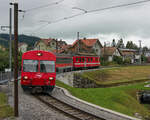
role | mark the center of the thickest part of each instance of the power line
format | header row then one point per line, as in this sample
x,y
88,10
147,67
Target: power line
x,y
43,6
95,10
118,6
39,7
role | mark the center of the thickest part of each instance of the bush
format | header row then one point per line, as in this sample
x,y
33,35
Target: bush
x,y
127,61
118,59
144,59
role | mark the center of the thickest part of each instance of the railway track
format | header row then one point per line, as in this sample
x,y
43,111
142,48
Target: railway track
x,y
66,109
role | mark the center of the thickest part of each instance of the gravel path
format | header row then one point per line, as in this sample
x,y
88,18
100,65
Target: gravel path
x,y
32,109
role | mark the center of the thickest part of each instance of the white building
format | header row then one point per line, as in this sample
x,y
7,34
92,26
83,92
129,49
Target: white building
x,y
22,47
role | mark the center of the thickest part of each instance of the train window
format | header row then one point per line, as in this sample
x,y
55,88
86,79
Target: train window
x,y
82,59
76,59
63,60
88,59
91,59
47,66
30,65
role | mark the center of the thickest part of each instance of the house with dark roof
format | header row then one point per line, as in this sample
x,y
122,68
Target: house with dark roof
x,y
86,46
110,52
130,54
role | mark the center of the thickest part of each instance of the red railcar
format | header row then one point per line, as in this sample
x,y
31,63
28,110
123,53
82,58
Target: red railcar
x,y
38,72
64,63
85,62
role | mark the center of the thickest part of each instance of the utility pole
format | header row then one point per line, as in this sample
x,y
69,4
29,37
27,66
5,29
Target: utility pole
x,y
104,50
15,57
78,39
56,46
140,50
10,38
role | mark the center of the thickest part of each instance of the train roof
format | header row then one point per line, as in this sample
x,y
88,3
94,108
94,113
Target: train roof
x,y
77,54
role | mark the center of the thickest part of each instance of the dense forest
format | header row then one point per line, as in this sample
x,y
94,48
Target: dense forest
x,y
30,40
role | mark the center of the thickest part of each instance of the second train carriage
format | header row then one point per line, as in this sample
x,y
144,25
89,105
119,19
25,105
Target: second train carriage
x,y
85,62
66,63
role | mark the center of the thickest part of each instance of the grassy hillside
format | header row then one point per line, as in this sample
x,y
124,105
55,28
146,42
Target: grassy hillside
x,y
119,75
30,40
121,99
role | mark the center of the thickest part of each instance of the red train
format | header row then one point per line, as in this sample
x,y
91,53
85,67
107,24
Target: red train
x,y
38,71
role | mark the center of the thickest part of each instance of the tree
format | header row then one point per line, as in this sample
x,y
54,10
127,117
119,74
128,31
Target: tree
x,y
131,45
4,60
145,48
113,44
120,43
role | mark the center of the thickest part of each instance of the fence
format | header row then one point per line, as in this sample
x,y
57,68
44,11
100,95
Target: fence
x,y
6,76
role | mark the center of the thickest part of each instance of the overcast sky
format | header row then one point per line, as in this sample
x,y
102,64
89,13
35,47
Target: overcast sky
x,y
129,23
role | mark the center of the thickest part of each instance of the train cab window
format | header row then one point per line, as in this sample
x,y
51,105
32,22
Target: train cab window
x,y
30,65
47,66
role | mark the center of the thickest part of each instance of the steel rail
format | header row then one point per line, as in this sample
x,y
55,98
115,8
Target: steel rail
x,y
66,109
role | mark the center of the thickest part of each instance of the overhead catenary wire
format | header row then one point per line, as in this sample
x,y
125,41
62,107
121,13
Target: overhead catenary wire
x,y
91,11
101,9
39,7
43,6
118,6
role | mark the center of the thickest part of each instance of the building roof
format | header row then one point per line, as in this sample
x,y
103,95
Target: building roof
x,y
21,43
47,41
87,42
63,48
109,50
128,52
66,46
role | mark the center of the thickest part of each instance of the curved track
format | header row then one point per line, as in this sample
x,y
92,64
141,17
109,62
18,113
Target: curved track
x,y
66,109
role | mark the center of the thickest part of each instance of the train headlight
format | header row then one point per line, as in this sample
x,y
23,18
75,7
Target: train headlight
x,y
51,78
39,54
25,77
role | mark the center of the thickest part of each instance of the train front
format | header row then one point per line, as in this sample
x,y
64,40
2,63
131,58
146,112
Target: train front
x,y
38,73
